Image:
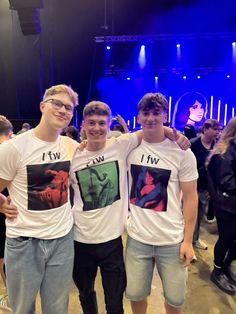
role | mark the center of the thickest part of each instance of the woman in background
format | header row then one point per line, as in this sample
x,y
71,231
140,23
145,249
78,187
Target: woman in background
x,y
222,187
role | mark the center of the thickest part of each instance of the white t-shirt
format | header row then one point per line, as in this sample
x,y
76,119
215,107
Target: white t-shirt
x,y
39,175
155,197
99,180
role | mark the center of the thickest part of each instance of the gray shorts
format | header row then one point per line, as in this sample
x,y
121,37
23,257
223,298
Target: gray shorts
x,y
140,260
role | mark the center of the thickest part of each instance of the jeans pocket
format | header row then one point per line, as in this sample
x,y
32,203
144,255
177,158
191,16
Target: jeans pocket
x,y
17,242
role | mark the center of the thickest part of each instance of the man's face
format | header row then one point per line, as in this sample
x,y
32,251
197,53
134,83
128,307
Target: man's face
x,y
212,133
96,128
152,119
57,110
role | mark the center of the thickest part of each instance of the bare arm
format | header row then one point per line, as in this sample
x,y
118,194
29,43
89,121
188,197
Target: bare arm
x,y
3,184
123,123
10,211
190,203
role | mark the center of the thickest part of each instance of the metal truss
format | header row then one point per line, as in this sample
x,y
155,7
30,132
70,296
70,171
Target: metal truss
x,y
161,37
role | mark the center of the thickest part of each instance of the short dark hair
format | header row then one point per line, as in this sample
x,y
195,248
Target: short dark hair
x,y
5,126
97,107
71,131
26,126
211,123
153,101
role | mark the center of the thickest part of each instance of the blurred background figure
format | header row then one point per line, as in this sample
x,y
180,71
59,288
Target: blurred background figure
x,y
222,187
25,127
6,131
72,132
189,131
118,129
201,147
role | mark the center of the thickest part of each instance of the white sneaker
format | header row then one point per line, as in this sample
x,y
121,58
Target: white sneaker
x,y
210,221
4,303
194,259
200,245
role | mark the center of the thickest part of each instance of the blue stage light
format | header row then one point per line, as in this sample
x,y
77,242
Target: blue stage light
x,y
142,57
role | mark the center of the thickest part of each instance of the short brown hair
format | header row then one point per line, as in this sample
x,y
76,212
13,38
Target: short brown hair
x,y
211,123
62,88
5,126
97,107
153,101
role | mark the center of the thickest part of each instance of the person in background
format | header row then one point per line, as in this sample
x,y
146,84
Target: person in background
x,y
35,167
6,131
201,147
189,131
163,202
72,132
118,129
222,187
25,127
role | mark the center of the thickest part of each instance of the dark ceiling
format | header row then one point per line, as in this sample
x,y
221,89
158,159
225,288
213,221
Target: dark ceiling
x,y
63,52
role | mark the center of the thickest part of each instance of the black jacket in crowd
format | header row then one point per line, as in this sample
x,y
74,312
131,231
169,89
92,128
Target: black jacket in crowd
x,y
222,179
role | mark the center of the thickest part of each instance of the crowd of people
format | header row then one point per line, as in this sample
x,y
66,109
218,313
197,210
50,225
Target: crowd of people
x,y
70,200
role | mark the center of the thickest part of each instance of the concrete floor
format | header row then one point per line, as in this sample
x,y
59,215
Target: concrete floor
x,y
203,297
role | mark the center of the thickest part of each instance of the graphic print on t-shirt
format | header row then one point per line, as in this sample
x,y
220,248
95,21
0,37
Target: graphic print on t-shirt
x,y
149,187
48,185
99,185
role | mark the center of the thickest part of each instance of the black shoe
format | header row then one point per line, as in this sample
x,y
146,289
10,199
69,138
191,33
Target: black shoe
x,y
222,282
230,274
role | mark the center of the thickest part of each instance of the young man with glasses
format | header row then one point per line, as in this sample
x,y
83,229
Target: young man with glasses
x,y
35,166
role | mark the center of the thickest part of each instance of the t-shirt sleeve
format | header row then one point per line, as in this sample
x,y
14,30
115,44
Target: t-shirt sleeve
x,y
188,168
128,142
9,161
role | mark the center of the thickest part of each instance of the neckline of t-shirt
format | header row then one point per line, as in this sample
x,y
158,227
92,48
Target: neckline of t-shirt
x,y
91,153
154,144
42,141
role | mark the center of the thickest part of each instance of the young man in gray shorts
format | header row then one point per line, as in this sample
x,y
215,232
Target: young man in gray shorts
x,y
163,203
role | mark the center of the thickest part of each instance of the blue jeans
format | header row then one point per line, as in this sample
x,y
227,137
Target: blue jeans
x,y
203,202
140,259
34,265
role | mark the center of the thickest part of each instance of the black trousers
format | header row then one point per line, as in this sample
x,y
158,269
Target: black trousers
x,y
225,244
109,257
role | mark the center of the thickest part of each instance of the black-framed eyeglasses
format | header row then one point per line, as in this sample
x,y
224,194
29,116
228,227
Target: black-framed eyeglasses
x,y
57,104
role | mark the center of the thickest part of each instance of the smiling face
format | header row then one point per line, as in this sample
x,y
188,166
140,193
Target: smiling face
x,y
54,115
96,128
196,112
